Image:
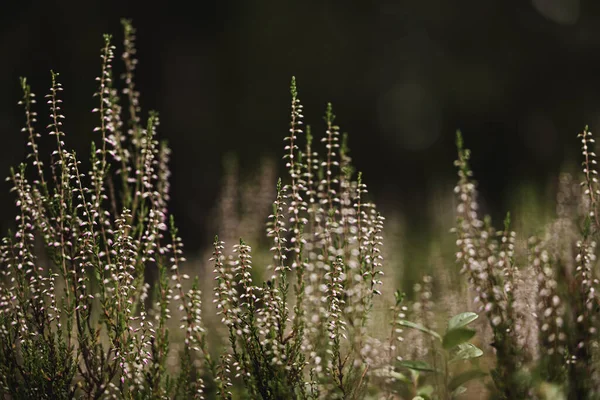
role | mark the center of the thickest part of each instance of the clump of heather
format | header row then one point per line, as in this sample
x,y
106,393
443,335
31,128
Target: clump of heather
x,y
487,259
82,321
81,318
303,333
553,294
584,283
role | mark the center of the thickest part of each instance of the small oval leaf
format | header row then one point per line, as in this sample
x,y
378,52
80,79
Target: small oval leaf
x,y
457,336
461,320
467,351
417,365
400,377
425,391
458,391
419,327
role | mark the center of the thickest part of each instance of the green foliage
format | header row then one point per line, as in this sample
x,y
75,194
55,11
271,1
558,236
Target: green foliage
x,y
449,353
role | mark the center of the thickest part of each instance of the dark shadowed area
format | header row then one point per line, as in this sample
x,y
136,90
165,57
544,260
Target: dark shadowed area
x,y
519,78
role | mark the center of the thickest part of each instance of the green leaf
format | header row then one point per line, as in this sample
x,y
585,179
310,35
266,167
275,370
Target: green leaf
x,y
458,391
418,398
419,327
425,391
465,377
400,377
467,351
461,320
457,336
417,365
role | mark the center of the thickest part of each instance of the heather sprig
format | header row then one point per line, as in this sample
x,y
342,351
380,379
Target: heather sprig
x,y
592,191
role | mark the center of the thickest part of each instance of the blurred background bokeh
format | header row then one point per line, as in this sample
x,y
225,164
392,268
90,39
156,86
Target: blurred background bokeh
x,y
519,78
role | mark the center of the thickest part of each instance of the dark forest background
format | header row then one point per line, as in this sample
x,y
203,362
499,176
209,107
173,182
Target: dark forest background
x,y
519,78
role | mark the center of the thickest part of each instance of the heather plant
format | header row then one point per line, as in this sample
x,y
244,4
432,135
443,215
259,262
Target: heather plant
x,y
487,258
81,319
326,244
565,313
75,320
